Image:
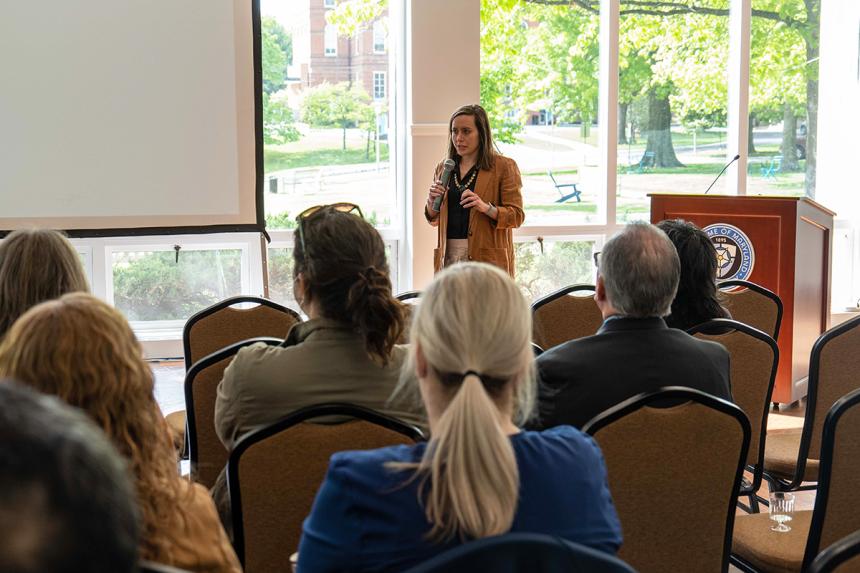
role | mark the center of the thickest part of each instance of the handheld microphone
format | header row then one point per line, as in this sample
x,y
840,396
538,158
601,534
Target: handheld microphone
x,y
735,158
446,175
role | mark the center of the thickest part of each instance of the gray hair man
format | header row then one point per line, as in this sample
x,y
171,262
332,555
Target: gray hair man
x,y
633,351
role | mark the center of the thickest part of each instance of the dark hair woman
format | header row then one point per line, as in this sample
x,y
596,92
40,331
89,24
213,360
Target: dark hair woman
x,y
36,265
476,212
345,352
697,300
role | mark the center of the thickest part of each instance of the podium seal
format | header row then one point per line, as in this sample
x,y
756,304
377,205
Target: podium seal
x,y
735,253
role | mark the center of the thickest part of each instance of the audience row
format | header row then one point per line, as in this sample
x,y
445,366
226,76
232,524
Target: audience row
x,y
468,376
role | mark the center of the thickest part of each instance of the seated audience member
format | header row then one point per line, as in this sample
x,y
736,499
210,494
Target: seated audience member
x,y
36,265
697,300
480,475
634,351
345,352
66,502
83,351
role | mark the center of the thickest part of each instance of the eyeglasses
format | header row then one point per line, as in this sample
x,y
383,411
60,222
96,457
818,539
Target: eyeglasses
x,y
310,211
596,256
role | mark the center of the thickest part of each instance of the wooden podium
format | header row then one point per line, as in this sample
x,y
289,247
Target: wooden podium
x,y
785,245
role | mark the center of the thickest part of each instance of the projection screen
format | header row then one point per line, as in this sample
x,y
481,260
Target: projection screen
x,y
131,117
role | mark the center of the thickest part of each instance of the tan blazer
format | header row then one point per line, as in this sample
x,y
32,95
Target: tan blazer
x,y
326,362
489,241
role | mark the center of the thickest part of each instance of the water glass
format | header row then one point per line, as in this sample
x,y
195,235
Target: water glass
x,y
781,509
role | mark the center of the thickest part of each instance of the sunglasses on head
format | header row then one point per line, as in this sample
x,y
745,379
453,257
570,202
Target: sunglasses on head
x,y
310,211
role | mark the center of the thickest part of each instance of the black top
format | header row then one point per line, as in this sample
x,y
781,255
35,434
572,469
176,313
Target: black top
x,y
458,217
583,377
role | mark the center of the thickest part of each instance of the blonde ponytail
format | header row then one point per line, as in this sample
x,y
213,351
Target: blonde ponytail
x,y
472,318
472,468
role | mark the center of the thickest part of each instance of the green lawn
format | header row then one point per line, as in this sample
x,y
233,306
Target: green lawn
x,y
275,160
687,169
559,207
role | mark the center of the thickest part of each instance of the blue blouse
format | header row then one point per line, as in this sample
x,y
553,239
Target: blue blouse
x,y
365,519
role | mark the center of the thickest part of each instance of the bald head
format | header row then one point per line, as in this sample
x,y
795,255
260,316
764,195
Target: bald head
x,y
640,269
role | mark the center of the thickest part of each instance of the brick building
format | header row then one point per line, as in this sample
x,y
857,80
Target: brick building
x,y
321,54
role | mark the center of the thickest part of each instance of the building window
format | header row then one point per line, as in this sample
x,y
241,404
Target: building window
x,y
330,40
378,85
379,37
329,3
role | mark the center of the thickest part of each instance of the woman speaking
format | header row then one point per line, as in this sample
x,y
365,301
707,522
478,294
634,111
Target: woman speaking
x,y
476,207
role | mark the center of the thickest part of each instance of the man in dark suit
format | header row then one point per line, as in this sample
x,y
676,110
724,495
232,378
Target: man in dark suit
x,y
634,351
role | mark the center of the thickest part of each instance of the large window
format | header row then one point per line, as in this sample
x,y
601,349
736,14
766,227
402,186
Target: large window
x,y
539,83
330,35
672,106
783,102
336,145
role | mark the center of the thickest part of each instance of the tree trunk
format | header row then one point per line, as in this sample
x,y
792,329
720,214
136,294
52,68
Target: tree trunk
x,y
750,139
660,132
813,22
622,122
367,146
789,138
344,137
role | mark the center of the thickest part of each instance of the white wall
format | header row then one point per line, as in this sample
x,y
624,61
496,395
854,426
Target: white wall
x,y
838,185
444,72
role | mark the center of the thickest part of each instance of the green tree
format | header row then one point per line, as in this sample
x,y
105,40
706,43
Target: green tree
x,y
336,105
276,54
278,120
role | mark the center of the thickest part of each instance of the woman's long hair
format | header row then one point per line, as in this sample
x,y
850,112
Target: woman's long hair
x,y
36,265
342,260
473,319
486,150
697,299
83,351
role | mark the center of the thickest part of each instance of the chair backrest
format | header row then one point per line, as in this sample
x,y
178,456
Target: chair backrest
x,y
754,359
753,304
566,314
221,325
274,473
523,553
833,366
410,300
835,513
841,557
674,474
408,295
205,450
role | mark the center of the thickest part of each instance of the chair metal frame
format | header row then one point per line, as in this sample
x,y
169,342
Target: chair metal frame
x,y
813,540
778,484
191,375
407,295
831,558
219,306
546,299
734,283
715,327
537,541
681,393
297,417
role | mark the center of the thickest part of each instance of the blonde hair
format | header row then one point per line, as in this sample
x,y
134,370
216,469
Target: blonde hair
x,y
36,265
474,319
83,351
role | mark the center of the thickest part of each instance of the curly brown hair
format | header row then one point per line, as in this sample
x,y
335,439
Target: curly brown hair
x,y
36,265
83,351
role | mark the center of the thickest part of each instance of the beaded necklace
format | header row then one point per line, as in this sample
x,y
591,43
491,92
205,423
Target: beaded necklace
x,y
468,183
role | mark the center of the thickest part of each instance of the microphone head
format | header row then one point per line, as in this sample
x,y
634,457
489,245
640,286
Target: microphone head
x,y
736,157
449,165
